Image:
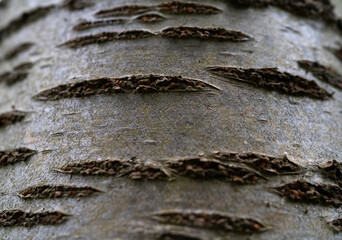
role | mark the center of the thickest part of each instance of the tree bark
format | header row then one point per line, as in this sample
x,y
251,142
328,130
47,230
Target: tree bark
x,y
233,116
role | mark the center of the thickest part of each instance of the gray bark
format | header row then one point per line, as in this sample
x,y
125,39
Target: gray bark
x,y
162,126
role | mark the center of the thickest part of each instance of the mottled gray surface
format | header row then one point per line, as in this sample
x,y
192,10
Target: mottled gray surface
x,y
161,126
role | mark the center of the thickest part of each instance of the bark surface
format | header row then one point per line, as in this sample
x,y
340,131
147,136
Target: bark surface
x,y
141,130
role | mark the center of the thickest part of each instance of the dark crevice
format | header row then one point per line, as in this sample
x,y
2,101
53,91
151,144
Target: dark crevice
x,y
177,236
177,7
323,73
128,10
101,23
138,83
205,33
57,191
173,7
265,164
150,18
210,220
16,217
202,168
12,117
134,169
272,79
306,192
106,37
336,225
182,32
332,170
8,157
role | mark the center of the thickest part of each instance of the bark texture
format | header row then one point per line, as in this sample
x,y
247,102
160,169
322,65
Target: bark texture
x,y
139,133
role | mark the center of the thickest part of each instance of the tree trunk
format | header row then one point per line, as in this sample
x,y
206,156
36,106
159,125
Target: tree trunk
x,y
211,113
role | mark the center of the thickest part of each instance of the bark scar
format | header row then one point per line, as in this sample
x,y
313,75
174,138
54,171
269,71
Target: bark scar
x,y
210,220
57,191
306,192
264,163
323,73
173,7
137,83
272,79
202,168
17,217
16,155
134,169
183,32
9,118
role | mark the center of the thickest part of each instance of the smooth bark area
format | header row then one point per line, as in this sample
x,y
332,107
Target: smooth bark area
x,y
164,126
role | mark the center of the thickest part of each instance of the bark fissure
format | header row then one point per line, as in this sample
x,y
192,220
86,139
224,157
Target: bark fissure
x,y
210,220
16,217
57,191
174,7
183,32
138,83
272,79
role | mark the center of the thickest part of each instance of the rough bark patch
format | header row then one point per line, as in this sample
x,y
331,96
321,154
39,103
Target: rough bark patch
x,y
134,169
106,37
128,10
205,33
12,53
89,24
263,163
210,220
201,168
18,74
336,225
333,170
173,7
139,83
177,7
74,5
305,192
322,73
323,9
150,18
272,79
9,118
57,191
15,155
101,167
183,32
16,217
25,19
